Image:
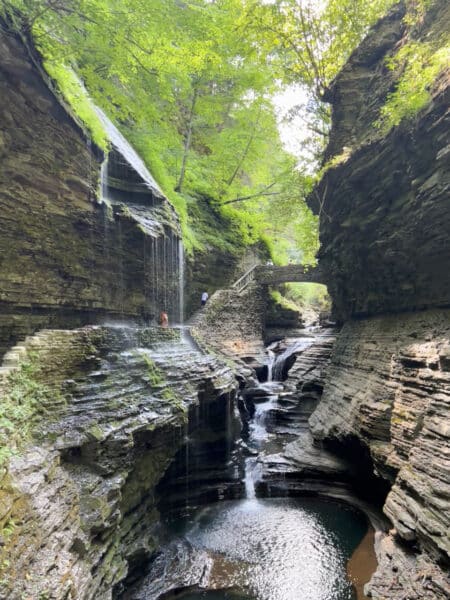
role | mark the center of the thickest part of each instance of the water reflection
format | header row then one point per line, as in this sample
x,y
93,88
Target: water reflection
x,y
278,549
211,595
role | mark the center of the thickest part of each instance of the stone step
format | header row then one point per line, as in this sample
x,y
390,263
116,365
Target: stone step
x,y
11,359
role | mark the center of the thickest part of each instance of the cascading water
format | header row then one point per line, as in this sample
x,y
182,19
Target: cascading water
x,y
104,181
276,362
270,361
181,279
252,548
265,400
135,203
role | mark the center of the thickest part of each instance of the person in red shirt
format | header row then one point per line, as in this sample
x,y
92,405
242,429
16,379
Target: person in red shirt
x,y
163,319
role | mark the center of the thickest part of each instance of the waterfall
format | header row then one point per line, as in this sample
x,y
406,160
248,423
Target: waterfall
x,y
104,180
264,397
181,279
121,270
276,362
249,478
136,203
270,361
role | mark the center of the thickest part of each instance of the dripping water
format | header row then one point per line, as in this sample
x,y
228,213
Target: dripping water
x,y
181,280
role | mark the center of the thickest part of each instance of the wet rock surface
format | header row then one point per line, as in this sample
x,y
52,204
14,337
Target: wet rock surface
x,y
289,461
83,501
388,385
67,259
179,566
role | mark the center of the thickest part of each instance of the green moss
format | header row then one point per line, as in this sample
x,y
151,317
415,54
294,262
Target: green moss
x,y
420,63
335,161
23,403
77,97
215,229
8,529
168,394
284,302
155,375
96,432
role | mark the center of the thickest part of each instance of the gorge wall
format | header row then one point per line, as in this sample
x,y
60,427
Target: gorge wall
x,y
65,258
109,408
384,207
385,223
92,417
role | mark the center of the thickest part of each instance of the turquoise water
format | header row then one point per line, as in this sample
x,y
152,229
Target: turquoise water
x,y
277,549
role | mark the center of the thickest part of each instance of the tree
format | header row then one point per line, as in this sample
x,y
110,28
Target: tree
x,y
191,84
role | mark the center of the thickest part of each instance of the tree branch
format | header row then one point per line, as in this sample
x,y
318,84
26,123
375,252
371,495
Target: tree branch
x,y
246,150
257,195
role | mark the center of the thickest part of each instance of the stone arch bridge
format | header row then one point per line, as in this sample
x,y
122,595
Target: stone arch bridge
x,y
272,275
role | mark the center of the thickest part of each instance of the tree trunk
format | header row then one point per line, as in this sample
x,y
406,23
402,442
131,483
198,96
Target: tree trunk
x,y
187,141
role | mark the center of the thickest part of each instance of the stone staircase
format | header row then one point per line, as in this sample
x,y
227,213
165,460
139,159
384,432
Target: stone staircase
x,y
44,341
17,354
196,318
237,288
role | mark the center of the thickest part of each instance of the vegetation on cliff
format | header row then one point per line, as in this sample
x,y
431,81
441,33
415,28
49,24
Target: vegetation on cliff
x,y
24,400
420,63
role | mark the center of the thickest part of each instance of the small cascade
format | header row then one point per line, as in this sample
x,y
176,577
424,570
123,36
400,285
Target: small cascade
x,y
270,361
161,251
104,181
140,230
121,270
267,410
276,363
263,399
249,478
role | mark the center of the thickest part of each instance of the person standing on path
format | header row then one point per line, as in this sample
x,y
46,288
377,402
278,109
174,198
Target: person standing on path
x,y
163,319
204,298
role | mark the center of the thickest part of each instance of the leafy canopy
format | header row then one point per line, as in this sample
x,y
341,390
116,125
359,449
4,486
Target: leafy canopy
x,y
191,83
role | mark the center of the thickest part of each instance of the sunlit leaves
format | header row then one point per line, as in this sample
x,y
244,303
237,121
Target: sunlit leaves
x,y
420,64
144,63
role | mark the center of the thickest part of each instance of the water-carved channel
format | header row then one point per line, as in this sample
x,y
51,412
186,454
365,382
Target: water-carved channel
x,y
264,540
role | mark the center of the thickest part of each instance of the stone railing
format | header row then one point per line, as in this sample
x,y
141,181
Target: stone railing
x,y
272,275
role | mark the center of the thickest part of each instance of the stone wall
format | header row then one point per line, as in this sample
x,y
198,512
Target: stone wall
x,y
65,259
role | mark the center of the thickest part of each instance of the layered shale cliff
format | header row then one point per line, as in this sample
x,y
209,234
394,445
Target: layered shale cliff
x,y
385,222
91,417
108,409
384,227
66,257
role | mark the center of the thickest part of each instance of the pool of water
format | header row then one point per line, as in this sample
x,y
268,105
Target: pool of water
x,y
275,549
212,595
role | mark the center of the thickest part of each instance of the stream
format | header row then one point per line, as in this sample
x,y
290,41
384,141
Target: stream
x,y
260,548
